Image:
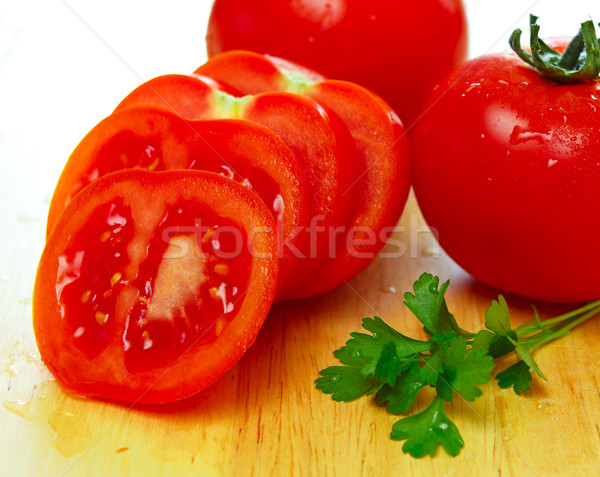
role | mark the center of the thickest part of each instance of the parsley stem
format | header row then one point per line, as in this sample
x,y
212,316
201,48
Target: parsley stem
x,y
563,329
533,325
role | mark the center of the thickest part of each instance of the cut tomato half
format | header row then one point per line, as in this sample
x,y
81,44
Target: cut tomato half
x,y
153,284
153,138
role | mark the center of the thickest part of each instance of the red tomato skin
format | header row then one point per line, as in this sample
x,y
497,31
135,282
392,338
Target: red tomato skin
x,y
105,375
399,49
506,169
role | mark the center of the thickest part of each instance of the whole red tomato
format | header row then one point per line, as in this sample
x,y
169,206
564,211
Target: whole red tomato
x,y
506,169
400,49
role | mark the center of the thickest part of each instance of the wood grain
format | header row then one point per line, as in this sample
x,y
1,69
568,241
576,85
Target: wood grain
x,y
265,417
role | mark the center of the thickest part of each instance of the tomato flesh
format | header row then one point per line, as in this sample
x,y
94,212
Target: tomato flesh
x,y
89,276
158,330
153,284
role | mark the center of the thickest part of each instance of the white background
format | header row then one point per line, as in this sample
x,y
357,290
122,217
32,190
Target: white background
x,y
64,65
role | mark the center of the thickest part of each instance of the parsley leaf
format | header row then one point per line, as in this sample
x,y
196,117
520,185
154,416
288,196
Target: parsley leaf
x,y
426,303
369,347
516,376
525,354
426,430
497,317
345,383
495,345
388,365
465,369
400,397
432,369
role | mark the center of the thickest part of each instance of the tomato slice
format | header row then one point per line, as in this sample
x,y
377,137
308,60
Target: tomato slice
x,y
153,284
320,141
153,138
382,179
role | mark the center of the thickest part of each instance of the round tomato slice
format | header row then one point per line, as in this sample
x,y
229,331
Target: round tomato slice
x,y
153,138
153,284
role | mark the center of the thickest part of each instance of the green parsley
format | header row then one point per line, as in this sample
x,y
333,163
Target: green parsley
x,y
395,368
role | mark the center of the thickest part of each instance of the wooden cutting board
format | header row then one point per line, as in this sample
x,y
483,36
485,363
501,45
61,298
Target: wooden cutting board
x,y
265,417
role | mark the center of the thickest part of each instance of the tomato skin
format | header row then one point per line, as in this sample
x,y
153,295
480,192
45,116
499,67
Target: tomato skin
x,y
104,373
506,169
399,49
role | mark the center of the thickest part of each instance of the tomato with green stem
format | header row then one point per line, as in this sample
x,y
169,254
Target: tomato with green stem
x,y
153,284
513,187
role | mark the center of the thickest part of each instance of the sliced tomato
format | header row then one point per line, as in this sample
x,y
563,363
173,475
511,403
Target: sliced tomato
x,y
153,284
152,138
382,179
320,141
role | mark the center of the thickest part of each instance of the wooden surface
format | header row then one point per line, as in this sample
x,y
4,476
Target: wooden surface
x,y
64,68
264,417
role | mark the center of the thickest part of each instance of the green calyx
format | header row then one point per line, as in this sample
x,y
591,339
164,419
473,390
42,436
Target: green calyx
x,y
580,62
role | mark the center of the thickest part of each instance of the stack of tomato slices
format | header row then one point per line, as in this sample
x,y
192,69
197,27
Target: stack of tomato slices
x,y
179,219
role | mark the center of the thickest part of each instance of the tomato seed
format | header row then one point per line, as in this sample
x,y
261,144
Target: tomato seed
x,y
105,236
214,293
115,279
86,296
221,269
208,235
101,318
219,325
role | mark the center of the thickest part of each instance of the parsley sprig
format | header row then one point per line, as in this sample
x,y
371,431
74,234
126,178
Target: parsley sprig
x,y
395,368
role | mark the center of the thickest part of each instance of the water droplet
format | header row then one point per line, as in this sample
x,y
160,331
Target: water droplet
x,y
73,433
546,403
389,289
508,432
431,252
20,408
334,379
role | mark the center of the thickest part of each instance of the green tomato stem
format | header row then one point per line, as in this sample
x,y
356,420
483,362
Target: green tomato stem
x,y
579,63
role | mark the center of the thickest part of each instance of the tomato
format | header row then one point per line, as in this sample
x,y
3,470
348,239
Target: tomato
x,y
153,284
320,142
399,49
383,177
507,171
155,139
